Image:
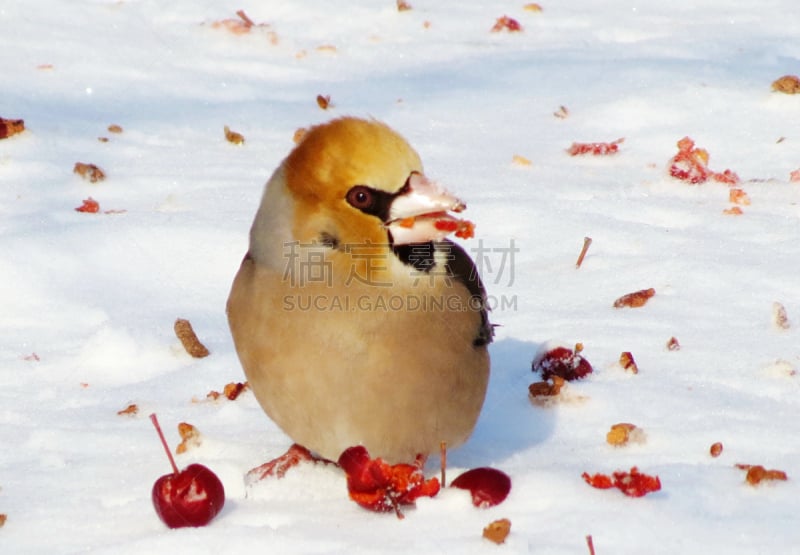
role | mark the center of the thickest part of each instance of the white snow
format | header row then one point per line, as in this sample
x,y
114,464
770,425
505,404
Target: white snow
x,y
94,296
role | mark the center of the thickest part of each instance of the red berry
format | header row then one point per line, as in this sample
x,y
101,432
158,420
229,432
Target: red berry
x,y
488,486
562,362
191,498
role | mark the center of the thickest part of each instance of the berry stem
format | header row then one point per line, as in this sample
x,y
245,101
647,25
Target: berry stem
x,y
154,420
247,21
590,544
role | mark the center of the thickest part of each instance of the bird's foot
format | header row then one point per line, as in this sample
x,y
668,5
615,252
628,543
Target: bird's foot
x,y
279,466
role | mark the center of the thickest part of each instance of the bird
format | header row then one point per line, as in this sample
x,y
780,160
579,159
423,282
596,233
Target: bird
x,y
355,319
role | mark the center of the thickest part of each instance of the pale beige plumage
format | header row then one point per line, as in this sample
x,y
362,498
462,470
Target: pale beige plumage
x,y
343,341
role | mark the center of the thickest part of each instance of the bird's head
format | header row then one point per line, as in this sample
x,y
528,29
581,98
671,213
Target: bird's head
x,y
357,181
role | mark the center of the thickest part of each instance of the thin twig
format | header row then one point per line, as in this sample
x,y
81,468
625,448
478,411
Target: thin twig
x,y
443,460
586,242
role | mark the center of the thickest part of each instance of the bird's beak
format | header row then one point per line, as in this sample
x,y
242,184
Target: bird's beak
x,y
420,213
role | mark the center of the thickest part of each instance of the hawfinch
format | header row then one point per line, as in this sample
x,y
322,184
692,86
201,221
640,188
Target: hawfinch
x,y
355,320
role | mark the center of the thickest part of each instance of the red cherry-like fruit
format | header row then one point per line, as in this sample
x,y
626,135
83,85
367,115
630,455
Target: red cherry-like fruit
x,y
488,486
562,362
190,497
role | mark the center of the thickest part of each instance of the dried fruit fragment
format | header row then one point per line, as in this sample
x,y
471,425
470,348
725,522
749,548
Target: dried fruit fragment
x,y
636,484
733,211
506,23
231,391
635,299
532,7
89,171
632,483
627,362
519,160
549,388
233,136
673,344
691,164
757,474
190,437
403,6
114,128
596,149
189,340
89,205
497,531
779,316
3,518
715,450
599,481
794,176
624,433
239,26
130,410
788,84
9,127
379,486
739,196
562,362
466,229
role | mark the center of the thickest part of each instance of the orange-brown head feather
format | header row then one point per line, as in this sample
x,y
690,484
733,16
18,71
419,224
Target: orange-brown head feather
x,y
331,159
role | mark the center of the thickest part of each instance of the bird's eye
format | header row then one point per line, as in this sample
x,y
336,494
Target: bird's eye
x,y
360,197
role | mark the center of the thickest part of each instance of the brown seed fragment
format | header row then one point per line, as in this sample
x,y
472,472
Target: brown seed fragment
x,y
189,340
788,84
779,316
233,136
716,449
10,127
627,362
130,410
324,102
89,171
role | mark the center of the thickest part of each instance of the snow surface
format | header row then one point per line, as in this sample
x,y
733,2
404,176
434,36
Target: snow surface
x,y
94,296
